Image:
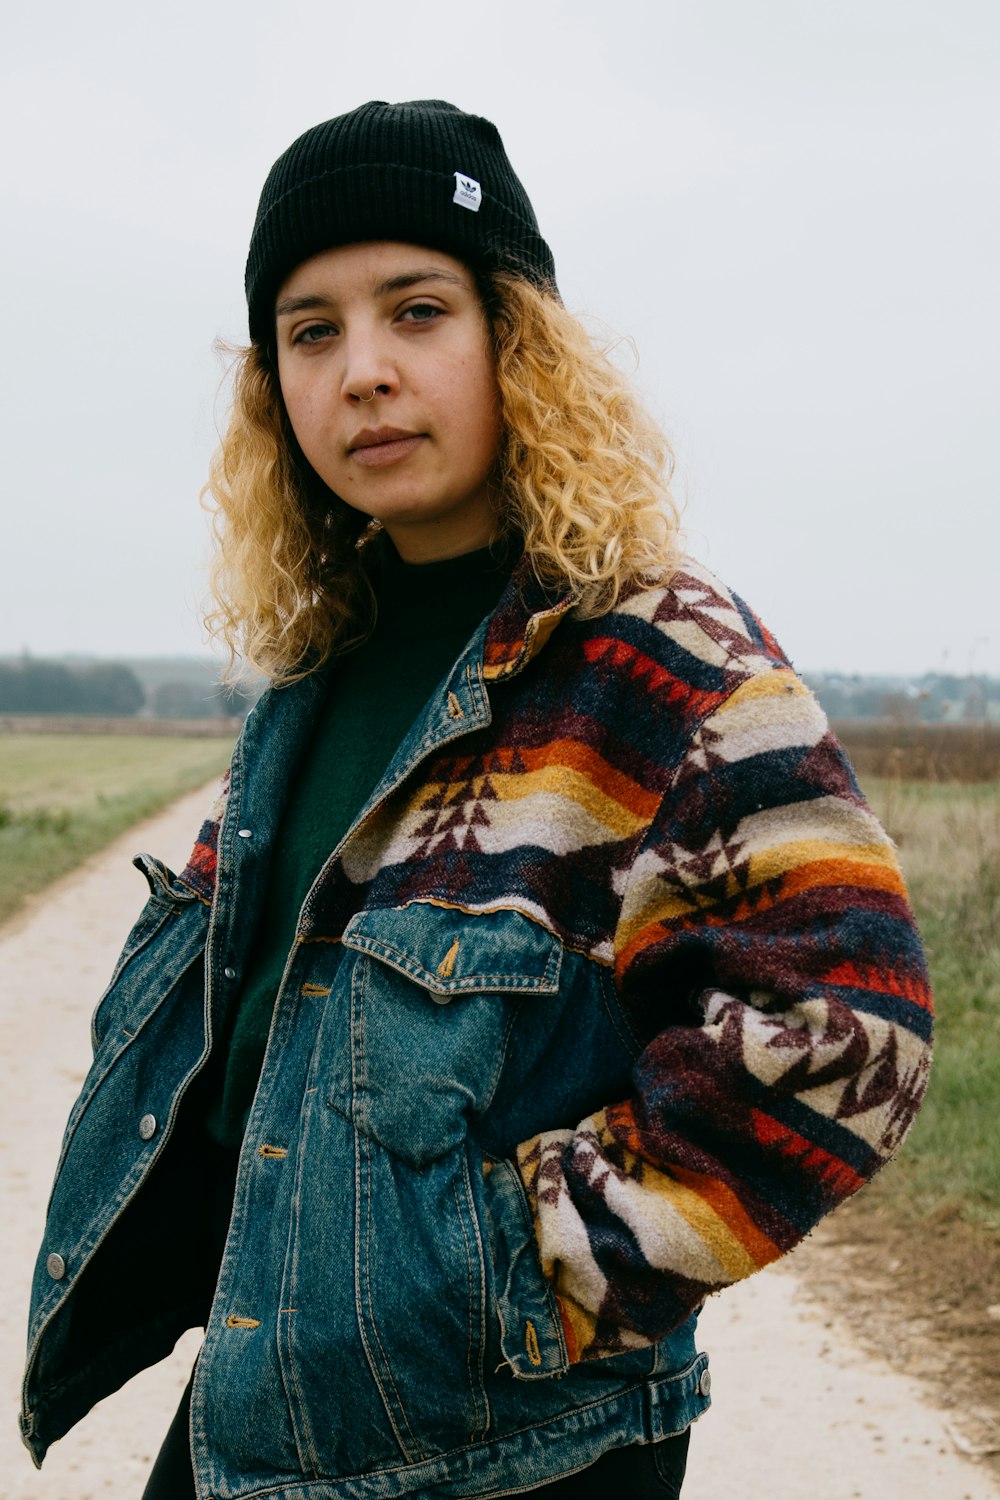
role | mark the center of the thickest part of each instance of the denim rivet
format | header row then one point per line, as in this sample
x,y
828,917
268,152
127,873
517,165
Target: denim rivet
x,y
244,833
705,1383
230,973
147,1127
56,1266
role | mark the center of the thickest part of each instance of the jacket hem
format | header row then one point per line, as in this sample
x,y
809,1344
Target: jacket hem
x,y
642,1413
49,1415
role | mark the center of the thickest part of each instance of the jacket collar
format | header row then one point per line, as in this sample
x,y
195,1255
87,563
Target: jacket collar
x,y
523,621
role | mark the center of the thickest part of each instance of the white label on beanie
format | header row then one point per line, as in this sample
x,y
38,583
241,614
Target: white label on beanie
x,y
467,192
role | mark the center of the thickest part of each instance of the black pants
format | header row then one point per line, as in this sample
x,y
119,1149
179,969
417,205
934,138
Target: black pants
x,y
641,1472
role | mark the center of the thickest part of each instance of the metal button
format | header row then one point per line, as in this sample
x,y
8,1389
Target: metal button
x,y
705,1383
147,1127
229,973
244,833
56,1266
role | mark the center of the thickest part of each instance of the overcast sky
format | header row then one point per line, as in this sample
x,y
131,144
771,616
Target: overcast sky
x,y
791,207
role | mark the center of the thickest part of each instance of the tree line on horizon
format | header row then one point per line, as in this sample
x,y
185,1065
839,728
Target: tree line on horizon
x,y
111,689
932,698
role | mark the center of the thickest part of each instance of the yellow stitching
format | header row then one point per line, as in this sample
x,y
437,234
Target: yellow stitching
x,y
273,1153
234,1322
486,911
454,707
203,899
531,1341
447,965
315,989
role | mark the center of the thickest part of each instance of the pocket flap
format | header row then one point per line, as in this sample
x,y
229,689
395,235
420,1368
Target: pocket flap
x,y
453,952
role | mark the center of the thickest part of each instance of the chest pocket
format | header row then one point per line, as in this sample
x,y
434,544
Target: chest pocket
x,y
433,995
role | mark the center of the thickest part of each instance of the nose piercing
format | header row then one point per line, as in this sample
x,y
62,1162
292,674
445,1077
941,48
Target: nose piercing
x,y
366,399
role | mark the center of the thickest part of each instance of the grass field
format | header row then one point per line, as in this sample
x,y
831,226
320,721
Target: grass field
x,y
949,843
64,796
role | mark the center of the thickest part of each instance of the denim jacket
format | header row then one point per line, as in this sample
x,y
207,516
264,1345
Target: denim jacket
x,y
609,993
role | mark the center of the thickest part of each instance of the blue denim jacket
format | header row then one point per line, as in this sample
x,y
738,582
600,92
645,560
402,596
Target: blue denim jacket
x,y
607,996
381,1324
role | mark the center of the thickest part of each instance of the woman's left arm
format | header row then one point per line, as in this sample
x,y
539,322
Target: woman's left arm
x,y
767,945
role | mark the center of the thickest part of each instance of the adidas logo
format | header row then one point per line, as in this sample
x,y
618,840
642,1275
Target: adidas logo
x,y
468,193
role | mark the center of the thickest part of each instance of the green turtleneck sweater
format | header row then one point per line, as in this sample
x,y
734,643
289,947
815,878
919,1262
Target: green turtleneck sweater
x,y
426,614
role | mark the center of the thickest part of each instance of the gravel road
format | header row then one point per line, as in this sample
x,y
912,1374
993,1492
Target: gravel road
x,y
800,1412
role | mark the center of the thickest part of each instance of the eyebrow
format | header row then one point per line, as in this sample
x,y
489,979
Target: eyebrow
x,y
413,278
311,301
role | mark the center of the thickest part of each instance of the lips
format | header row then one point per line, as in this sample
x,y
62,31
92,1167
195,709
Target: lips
x,y
374,437
383,445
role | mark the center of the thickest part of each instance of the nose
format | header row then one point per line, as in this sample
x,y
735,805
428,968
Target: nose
x,y
369,369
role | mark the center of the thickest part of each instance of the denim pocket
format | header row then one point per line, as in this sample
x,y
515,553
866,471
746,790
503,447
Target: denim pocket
x,y
531,1337
433,995
423,1311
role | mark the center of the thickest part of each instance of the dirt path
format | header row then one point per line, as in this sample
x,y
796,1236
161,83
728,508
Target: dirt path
x,y
802,1413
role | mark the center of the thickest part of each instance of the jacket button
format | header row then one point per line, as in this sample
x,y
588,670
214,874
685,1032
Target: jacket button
x,y
705,1383
244,833
147,1127
230,973
56,1266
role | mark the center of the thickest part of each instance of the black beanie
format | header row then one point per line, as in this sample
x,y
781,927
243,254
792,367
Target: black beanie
x,y
424,172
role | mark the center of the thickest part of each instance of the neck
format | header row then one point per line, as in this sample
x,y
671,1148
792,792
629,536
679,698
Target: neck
x,y
438,541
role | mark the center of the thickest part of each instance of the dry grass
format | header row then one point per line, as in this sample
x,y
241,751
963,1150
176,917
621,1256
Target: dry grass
x,y
945,831
923,752
949,844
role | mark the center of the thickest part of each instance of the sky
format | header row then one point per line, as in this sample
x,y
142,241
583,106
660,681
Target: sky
x,y
785,211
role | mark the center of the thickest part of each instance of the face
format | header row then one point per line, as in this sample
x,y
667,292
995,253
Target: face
x,y
388,380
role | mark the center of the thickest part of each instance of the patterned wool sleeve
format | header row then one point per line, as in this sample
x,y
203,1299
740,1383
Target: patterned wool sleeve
x,y
766,939
200,871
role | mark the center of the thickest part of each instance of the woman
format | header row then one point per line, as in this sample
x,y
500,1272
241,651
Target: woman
x,y
540,972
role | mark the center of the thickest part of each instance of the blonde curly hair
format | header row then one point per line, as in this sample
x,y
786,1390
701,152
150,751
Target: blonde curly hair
x,y
583,470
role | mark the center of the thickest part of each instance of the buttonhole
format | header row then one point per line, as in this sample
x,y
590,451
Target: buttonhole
x,y
447,965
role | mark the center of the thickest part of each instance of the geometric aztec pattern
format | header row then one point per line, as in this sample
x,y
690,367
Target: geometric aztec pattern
x,y
659,789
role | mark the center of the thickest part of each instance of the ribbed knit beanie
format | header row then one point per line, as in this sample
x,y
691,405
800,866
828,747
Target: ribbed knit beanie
x,y
424,173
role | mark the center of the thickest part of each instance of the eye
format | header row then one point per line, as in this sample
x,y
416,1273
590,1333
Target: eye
x,y
421,312
314,334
